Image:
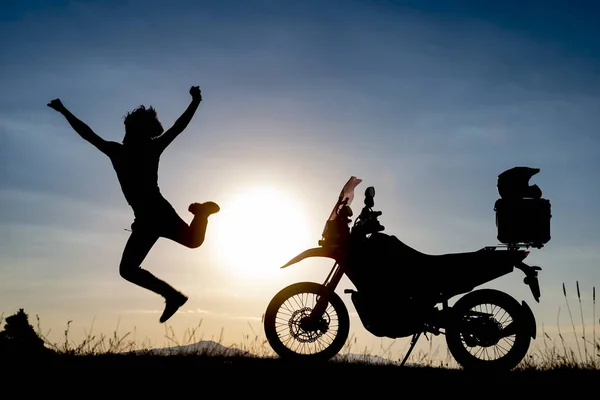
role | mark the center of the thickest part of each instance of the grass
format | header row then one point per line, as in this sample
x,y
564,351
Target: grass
x,y
253,352
555,353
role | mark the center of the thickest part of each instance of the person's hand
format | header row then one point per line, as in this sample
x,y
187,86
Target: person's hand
x,y
195,92
57,105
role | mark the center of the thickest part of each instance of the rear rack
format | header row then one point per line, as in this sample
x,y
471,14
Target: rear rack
x,y
511,246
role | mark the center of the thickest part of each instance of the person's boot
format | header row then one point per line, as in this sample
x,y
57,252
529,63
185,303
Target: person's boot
x,y
207,208
173,302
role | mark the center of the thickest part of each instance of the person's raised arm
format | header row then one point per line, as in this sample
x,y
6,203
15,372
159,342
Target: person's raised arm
x,y
80,127
182,122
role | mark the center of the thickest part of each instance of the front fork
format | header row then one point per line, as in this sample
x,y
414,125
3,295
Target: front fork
x,y
331,282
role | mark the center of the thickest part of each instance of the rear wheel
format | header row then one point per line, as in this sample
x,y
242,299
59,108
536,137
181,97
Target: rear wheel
x,y
290,332
489,331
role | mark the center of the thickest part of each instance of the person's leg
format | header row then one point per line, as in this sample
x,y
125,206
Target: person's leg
x,y
168,224
191,235
136,249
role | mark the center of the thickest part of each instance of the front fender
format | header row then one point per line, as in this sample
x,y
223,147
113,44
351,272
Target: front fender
x,y
314,252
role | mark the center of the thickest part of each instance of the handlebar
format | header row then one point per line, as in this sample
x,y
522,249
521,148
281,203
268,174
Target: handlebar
x,y
368,220
366,213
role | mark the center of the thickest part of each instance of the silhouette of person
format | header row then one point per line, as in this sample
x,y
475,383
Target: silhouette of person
x,y
135,162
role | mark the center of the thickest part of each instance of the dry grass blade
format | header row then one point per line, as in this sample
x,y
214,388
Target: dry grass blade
x,y
582,322
572,322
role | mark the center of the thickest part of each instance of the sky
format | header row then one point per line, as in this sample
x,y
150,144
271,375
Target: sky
x,y
426,101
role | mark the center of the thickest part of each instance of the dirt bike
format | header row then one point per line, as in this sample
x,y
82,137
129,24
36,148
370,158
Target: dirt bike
x,y
401,292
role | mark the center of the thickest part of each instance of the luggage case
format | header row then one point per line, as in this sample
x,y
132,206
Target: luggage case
x,y
523,221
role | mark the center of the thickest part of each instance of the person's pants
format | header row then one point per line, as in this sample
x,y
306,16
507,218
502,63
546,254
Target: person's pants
x,y
149,225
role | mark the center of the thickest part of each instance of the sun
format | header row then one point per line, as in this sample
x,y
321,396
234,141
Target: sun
x,y
258,230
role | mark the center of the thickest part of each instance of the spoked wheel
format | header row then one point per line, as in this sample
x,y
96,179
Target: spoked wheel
x,y
489,331
293,335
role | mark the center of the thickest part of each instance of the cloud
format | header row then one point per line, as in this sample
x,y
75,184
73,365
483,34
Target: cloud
x,y
157,311
246,318
35,207
142,311
197,311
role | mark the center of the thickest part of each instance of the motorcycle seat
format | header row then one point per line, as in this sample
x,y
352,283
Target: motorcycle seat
x,y
434,260
448,260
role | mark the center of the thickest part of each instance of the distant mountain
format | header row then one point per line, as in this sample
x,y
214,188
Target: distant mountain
x,y
211,348
203,348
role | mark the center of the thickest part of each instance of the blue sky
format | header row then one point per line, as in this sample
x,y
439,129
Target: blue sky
x,y
426,101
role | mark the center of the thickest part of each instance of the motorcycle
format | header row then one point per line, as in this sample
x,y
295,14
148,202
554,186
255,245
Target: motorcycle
x,y
401,292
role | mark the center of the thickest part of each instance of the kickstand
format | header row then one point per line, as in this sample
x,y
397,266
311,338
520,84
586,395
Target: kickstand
x,y
412,346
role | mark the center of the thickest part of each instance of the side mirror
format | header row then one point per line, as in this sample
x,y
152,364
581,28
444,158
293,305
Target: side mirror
x,y
369,194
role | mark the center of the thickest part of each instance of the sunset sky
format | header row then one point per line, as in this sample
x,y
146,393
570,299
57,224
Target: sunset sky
x,y
426,101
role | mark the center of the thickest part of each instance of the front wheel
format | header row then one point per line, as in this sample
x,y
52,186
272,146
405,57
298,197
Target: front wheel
x,y
290,332
489,330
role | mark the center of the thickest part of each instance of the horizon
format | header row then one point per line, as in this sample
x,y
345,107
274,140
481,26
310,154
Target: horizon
x,y
428,103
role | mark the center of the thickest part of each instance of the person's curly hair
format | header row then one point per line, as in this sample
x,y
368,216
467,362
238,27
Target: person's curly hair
x,y
142,123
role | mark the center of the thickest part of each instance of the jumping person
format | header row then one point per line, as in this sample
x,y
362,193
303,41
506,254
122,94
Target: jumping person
x,y
135,162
